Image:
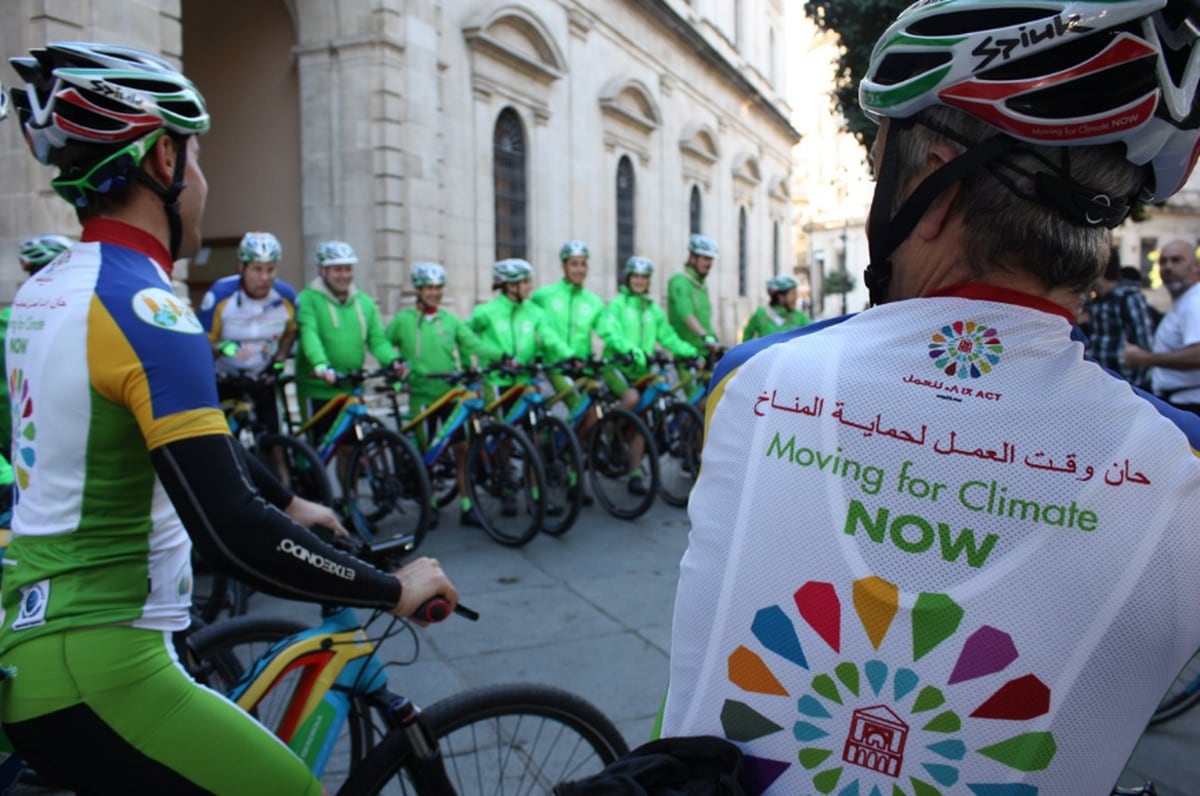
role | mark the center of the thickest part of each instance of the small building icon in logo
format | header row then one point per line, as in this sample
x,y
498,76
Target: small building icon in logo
x,y
876,740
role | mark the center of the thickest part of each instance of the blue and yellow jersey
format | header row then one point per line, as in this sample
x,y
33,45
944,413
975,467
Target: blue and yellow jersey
x,y
256,325
105,364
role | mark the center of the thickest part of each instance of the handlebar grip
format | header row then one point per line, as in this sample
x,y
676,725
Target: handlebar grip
x,y
436,609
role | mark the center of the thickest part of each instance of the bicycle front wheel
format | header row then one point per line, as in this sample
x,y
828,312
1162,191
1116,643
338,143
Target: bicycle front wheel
x,y
614,474
296,465
386,488
501,739
1183,694
679,435
505,482
559,449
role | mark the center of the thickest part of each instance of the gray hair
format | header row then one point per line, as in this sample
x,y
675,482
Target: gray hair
x,y
1004,230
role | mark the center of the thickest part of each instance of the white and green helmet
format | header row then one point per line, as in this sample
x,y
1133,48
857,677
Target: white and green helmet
x,y
512,270
702,245
1054,73
639,266
781,284
3,103
335,252
573,248
428,275
37,252
259,247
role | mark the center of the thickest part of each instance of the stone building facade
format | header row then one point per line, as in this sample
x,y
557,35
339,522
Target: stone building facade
x,y
460,131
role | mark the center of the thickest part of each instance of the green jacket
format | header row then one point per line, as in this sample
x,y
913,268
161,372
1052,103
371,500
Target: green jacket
x,y
575,313
337,334
521,331
434,345
643,323
768,320
687,294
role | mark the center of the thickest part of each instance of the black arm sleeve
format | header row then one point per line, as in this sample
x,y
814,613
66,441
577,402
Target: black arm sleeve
x,y
234,529
272,490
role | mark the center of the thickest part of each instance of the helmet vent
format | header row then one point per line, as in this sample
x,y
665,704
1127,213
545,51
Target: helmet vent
x,y
900,66
977,20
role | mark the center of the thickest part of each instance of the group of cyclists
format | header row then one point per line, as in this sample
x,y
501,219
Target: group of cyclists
x,y
933,548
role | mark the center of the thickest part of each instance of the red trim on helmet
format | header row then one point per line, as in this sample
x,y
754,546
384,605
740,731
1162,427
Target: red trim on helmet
x,y
136,124
1129,117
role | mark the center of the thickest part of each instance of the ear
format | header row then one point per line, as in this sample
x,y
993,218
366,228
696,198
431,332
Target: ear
x,y
160,160
933,223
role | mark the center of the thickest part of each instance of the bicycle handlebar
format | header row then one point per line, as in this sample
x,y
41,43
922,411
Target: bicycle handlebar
x,y
436,609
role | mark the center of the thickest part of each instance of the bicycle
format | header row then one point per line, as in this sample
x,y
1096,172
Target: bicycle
x,y
678,432
385,487
1182,696
504,474
608,455
524,406
324,692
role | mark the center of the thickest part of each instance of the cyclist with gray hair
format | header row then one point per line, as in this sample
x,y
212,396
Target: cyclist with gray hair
x,y
917,548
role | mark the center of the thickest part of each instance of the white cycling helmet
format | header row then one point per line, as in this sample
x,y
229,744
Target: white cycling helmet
x,y
259,247
702,245
335,252
37,252
641,266
3,102
428,275
512,270
573,248
1053,72
781,284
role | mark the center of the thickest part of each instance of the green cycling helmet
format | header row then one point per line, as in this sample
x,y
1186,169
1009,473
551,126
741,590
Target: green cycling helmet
x,y
781,284
428,275
335,252
512,270
573,248
702,245
259,247
37,252
639,266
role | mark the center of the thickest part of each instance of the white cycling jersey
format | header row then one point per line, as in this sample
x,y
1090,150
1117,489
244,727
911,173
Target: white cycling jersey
x,y
935,551
256,325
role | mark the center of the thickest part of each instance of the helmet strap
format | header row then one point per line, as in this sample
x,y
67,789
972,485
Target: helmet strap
x,y
169,195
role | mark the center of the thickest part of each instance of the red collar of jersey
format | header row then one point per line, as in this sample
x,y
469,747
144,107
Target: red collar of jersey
x,y
1003,295
108,230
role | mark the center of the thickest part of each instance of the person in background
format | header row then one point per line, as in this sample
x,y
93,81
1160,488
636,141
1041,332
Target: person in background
x,y
433,340
780,312
1174,355
688,306
250,318
1118,314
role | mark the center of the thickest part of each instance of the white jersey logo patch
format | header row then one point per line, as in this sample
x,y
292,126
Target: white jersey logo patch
x,y
34,598
162,308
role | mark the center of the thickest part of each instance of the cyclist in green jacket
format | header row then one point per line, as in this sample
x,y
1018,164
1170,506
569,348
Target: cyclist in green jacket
x,y
780,313
517,327
338,325
642,322
688,306
434,341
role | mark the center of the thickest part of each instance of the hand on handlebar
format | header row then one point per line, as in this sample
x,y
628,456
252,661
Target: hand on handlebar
x,y
420,581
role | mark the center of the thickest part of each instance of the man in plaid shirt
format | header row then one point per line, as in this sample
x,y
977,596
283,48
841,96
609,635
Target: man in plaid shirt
x,y
1119,314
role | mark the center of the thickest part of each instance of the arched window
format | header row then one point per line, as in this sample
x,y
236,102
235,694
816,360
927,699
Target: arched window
x,y
743,259
695,219
626,220
508,171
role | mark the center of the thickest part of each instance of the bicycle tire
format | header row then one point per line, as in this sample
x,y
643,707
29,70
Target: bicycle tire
x,y
485,733
1183,694
679,435
609,461
504,481
443,477
218,656
563,462
296,465
386,490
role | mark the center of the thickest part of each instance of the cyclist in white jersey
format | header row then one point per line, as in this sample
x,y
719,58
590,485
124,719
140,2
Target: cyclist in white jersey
x,y
124,461
934,549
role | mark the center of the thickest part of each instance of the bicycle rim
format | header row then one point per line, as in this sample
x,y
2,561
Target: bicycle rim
x,y
610,461
387,491
296,465
679,436
563,463
504,480
1183,694
504,739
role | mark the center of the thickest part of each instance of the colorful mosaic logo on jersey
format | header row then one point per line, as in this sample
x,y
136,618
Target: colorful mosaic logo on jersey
x,y
162,308
871,728
965,349
24,432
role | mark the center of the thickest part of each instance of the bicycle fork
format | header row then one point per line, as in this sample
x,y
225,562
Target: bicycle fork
x,y
427,769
